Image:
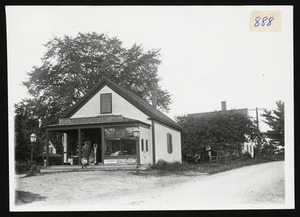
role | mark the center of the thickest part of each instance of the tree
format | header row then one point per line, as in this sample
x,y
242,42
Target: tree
x,y
25,125
275,119
219,130
73,65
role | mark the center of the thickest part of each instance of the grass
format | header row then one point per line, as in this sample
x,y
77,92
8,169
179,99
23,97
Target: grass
x,y
165,168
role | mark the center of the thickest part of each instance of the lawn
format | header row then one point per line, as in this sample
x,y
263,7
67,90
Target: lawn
x,y
209,168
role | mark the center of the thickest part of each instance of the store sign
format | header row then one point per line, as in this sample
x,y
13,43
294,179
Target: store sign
x,y
115,161
130,161
110,161
99,119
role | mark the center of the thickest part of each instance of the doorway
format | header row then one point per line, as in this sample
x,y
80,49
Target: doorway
x,y
94,136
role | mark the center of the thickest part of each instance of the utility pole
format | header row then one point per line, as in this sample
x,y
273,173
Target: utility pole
x,y
258,136
258,132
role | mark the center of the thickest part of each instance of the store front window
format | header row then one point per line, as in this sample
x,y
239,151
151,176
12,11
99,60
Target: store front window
x,y
119,141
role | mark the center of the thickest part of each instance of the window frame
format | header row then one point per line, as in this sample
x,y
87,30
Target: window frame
x,y
101,103
169,143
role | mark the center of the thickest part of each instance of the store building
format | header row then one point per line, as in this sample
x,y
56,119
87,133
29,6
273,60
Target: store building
x,y
107,116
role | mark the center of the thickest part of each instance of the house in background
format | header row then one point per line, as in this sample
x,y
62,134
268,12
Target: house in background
x,y
107,116
246,146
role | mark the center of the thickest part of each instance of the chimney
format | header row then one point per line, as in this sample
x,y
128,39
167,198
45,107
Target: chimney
x,y
223,103
154,96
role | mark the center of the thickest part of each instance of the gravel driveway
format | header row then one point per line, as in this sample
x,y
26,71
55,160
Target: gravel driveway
x,y
256,186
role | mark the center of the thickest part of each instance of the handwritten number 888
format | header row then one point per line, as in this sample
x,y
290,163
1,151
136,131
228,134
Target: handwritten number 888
x,y
263,21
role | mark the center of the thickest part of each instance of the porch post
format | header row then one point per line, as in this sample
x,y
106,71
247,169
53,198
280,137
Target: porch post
x,y
102,145
65,148
138,163
79,145
47,148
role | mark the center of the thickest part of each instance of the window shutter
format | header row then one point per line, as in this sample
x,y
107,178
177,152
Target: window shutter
x,y
169,143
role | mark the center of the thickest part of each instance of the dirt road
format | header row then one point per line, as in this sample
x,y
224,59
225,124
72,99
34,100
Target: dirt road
x,y
247,187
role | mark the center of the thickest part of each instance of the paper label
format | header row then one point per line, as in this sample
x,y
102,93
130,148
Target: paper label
x,y
265,21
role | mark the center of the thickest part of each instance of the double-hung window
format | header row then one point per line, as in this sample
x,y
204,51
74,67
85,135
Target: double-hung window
x,y
169,143
105,103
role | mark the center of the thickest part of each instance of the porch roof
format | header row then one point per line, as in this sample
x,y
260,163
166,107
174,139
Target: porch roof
x,y
91,122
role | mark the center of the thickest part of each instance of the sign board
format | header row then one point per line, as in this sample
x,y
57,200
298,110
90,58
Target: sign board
x,y
87,120
115,161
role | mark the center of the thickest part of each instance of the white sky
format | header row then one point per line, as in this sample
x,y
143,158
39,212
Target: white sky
x,y
209,54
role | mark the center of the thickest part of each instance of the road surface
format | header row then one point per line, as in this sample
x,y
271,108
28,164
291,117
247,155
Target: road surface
x,y
257,186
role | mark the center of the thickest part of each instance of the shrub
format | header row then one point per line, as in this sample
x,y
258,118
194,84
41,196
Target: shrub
x,y
22,167
166,166
246,155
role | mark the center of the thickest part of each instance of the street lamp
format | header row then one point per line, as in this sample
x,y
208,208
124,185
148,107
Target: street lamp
x,y
32,140
136,134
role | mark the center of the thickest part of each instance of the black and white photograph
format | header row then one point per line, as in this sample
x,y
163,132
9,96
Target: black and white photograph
x,y
129,108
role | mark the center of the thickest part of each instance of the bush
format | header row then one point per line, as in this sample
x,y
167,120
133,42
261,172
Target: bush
x,y
166,166
22,167
246,155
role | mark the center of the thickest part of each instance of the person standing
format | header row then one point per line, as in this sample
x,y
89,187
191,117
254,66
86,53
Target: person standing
x,y
86,153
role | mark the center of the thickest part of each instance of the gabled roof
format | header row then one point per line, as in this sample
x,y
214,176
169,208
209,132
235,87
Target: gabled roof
x,y
135,100
243,111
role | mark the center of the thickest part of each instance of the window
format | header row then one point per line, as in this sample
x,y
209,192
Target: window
x,y
142,144
146,145
169,143
105,103
119,147
119,141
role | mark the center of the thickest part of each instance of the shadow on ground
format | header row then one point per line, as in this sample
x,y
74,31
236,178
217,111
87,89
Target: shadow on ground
x,y
24,197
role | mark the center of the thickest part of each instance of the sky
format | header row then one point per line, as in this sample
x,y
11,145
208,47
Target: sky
x,y
209,54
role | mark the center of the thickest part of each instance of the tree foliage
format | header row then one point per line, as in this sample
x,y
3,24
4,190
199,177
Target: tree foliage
x,y
25,125
220,130
275,119
73,65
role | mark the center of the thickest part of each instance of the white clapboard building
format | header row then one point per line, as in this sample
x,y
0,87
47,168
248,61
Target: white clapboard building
x,y
108,116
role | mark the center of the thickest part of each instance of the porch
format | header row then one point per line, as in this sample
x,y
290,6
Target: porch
x,y
99,167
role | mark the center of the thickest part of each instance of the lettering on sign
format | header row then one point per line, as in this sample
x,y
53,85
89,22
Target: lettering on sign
x,y
115,161
100,119
110,161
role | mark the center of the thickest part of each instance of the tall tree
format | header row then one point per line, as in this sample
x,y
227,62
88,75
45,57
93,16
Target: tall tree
x,y
275,119
73,65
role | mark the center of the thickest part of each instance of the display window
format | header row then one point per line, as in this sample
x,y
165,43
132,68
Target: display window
x,y
119,141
